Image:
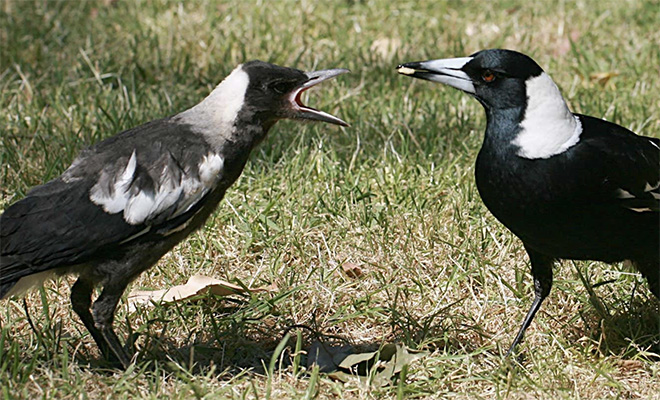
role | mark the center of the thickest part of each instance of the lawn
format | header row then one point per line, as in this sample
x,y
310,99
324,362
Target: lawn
x,y
393,196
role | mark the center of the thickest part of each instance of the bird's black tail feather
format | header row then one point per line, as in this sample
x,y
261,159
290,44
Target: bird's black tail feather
x,y
10,273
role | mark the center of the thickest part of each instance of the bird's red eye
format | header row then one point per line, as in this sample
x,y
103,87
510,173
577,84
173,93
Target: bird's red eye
x,y
488,76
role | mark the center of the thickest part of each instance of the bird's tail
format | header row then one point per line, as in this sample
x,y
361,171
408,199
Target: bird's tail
x,y
10,274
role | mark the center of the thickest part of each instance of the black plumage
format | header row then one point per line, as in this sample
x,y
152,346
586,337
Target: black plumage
x,y
569,186
126,201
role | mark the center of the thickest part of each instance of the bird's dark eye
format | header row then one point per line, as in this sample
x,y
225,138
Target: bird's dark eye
x,y
280,87
488,76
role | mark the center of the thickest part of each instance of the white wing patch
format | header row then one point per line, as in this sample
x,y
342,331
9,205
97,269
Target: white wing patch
x,y
116,200
210,168
548,128
653,190
624,194
119,194
648,188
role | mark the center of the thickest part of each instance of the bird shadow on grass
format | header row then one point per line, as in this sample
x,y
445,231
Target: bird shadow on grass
x,y
628,330
232,335
242,336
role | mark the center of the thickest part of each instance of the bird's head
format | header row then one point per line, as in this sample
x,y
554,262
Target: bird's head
x,y
275,92
244,106
497,78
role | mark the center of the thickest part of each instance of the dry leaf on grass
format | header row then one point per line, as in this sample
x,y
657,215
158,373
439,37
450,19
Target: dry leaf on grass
x,y
602,77
351,270
385,48
196,285
343,364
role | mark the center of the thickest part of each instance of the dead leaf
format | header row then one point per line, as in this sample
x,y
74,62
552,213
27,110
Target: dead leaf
x,y
602,77
351,270
630,365
385,48
380,366
196,285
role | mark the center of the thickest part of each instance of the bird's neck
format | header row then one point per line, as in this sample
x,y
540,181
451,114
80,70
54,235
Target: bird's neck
x,y
502,128
223,118
541,128
547,126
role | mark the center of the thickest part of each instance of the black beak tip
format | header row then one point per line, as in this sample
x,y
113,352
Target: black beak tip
x,y
411,65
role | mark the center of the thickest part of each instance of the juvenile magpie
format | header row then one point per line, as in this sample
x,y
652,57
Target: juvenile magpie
x,y
570,186
126,201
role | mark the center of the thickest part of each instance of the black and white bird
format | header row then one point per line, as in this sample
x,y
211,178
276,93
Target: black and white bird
x,y
570,186
126,201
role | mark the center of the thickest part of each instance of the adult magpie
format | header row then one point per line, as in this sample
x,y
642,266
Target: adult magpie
x,y
570,186
126,201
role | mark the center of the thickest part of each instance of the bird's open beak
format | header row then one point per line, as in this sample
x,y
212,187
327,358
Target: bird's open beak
x,y
447,71
302,111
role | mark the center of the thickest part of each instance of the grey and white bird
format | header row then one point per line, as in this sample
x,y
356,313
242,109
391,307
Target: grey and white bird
x,y
570,186
126,201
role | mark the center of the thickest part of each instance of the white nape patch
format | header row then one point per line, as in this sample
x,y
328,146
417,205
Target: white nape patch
x,y
548,128
28,282
140,207
214,117
624,194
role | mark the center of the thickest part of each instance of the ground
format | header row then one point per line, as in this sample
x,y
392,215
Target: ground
x,y
393,194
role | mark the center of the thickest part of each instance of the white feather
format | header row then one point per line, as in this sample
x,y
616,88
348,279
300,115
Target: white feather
x,y
649,188
645,209
624,194
210,168
548,128
140,207
114,201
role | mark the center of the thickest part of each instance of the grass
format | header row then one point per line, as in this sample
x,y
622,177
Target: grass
x,y
393,194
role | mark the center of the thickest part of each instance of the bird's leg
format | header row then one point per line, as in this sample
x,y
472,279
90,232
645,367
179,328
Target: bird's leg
x,y
103,312
542,274
81,301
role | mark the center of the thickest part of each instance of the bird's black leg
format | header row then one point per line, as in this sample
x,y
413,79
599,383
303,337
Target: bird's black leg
x,y
81,301
104,313
542,274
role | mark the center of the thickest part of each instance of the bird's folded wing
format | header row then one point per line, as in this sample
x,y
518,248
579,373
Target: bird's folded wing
x,y
96,209
635,173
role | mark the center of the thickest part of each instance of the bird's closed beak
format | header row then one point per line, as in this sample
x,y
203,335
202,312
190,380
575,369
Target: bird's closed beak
x,y
447,71
304,112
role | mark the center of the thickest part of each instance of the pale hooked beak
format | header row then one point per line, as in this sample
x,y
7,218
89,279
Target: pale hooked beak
x,y
448,71
304,112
